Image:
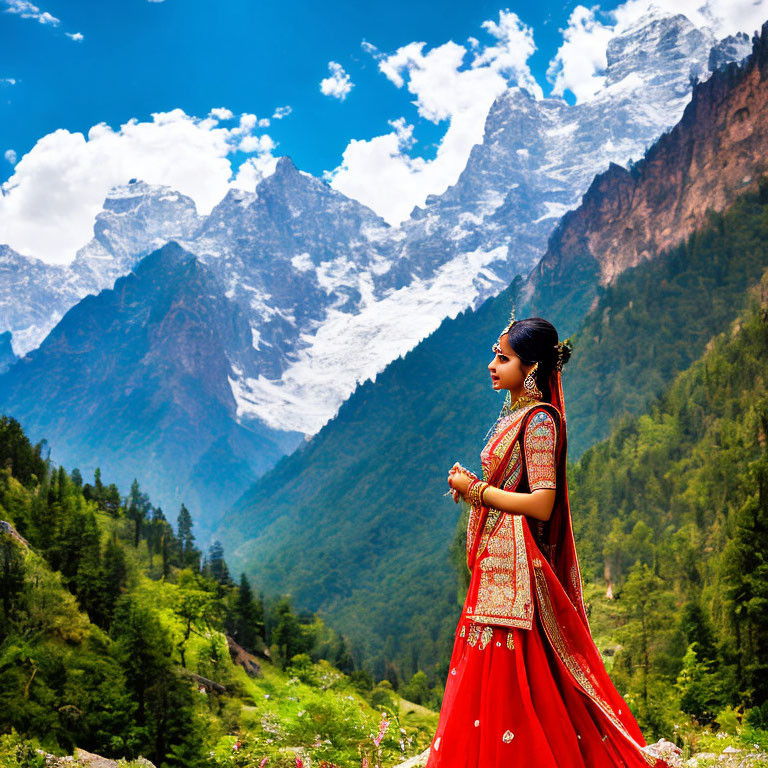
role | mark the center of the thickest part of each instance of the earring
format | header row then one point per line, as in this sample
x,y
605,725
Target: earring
x,y
529,384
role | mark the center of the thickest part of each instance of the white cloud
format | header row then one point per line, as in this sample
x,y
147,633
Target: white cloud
x,y
581,59
446,89
8,81
10,156
48,205
77,36
221,113
281,112
27,10
338,84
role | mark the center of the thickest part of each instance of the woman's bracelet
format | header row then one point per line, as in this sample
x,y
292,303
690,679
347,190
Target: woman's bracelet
x,y
475,492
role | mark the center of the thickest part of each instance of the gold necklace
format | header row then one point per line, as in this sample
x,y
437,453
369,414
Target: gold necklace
x,y
521,401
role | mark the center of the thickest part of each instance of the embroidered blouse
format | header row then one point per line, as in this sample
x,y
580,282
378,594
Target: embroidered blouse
x,y
500,587
540,439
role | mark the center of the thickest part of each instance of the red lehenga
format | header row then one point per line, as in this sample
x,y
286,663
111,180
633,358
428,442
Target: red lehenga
x,y
527,686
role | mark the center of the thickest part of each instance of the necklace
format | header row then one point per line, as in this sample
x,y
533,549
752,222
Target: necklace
x,y
510,407
521,401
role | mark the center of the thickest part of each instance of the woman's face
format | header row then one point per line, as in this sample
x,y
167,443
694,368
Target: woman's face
x,y
507,370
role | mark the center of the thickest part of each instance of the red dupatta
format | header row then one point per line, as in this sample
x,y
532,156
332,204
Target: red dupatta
x,y
559,531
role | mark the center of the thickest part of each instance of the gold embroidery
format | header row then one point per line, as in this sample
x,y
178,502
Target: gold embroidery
x,y
503,436
463,632
510,640
505,432
485,636
539,444
507,737
560,644
474,634
509,482
504,592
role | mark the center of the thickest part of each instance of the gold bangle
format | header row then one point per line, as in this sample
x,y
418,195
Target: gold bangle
x,y
475,493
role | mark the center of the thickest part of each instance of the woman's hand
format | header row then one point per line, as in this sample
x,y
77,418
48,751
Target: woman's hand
x,y
458,480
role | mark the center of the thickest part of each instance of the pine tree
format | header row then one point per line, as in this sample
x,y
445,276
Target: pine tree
x,y
137,507
98,487
246,621
288,634
77,479
115,573
11,581
745,570
190,556
89,578
217,565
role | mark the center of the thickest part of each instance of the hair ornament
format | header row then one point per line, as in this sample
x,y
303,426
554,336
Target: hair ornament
x,y
561,356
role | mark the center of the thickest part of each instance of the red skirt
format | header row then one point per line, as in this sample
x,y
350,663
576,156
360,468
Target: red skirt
x,y
509,701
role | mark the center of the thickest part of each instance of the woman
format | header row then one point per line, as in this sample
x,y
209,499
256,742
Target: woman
x,y
527,686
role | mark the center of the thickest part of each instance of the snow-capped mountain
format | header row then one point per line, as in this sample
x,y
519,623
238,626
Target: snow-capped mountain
x,y
137,218
33,297
331,292
135,381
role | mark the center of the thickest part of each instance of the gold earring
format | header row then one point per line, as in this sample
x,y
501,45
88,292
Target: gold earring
x,y
529,383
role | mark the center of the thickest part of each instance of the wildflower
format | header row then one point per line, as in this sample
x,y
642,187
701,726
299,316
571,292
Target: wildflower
x,y
263,762
382,729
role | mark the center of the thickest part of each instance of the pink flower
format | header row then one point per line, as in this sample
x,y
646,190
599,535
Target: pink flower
x,y
382,730
299,762
365,763
263,762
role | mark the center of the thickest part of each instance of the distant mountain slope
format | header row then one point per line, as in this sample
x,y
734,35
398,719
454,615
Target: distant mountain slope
x,y
6,351
136,380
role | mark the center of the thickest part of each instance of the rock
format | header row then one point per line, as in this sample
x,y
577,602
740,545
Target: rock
x,y
83,759
416,762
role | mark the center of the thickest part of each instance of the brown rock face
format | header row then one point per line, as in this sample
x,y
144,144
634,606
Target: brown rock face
x,y
715,153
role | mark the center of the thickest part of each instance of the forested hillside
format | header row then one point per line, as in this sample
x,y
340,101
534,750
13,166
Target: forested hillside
x,y
673,516
118,636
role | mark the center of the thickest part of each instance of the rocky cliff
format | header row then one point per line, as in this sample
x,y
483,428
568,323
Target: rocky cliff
x,y
716,152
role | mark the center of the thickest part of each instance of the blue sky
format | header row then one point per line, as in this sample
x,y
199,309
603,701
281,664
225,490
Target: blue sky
x,y
138,57
94,93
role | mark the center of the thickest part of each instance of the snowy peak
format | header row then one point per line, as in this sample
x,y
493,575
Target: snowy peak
x,y
732,48
137,217
659,49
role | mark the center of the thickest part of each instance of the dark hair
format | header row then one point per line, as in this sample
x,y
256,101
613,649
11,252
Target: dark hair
x,y
535,340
